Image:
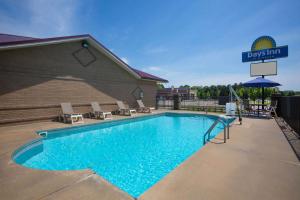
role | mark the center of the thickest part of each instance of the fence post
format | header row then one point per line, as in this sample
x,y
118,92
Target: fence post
x,y
278,98
156,102
176,102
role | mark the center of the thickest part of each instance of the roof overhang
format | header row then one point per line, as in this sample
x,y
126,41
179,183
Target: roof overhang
x,y
41,42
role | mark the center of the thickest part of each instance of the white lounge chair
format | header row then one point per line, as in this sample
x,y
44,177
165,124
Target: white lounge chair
x,y
271,109
247,108
142,108
123,110
99,113
68,114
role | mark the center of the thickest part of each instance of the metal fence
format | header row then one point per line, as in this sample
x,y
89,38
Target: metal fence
x,y
191,103
289,109
165,103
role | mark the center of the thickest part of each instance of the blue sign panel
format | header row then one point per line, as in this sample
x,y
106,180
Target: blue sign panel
x,y
265,54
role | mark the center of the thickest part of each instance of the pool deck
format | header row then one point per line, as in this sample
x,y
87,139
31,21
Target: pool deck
x,y
257,162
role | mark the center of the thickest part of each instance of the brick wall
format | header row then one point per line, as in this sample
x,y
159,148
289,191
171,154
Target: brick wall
x,y
34,81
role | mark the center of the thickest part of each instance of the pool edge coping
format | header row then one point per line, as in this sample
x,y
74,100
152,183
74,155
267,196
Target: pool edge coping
x,y
25,145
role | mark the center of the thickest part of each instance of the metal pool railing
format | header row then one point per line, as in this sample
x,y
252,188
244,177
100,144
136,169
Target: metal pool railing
x,y
226,127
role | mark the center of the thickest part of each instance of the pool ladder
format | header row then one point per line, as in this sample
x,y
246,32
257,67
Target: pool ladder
x,y
226,127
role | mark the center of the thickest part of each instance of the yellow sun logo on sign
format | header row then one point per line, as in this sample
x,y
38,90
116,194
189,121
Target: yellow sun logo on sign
x,y
263,42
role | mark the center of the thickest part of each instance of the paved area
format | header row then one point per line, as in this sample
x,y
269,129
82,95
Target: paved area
x,y
255,163
291,135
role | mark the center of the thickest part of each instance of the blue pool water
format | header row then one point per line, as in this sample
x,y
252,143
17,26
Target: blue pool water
x,y
132,154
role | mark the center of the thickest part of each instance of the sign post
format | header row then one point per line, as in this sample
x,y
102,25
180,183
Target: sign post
x,y
264,48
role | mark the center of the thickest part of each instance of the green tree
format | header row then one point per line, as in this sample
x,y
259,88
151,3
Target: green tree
x,y
184,86
214,91
160,86
253,93
200,93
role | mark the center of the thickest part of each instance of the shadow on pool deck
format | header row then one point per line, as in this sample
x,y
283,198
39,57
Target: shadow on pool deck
x,y
255,163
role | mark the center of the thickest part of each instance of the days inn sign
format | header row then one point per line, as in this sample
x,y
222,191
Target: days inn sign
x,y
264,48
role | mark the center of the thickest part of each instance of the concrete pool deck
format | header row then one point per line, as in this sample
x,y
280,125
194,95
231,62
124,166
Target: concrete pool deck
x,y
257,162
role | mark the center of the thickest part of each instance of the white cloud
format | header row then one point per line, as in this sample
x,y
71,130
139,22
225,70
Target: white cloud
x,y
154,68
225,67
43,18
290,36
201,79
125,60
156,50
287,78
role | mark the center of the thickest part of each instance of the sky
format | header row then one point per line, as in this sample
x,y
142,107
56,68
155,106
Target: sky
x,y
186,42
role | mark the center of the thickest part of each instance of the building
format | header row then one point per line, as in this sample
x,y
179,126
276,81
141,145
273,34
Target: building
x,y
183,92
36,75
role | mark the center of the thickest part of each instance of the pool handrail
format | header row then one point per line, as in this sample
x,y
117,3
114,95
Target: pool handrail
x,y
226,126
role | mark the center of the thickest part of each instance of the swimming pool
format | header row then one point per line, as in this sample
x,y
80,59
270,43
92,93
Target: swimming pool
x,y
132,154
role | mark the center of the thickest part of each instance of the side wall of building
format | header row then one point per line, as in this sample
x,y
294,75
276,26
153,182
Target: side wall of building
x,y
34,81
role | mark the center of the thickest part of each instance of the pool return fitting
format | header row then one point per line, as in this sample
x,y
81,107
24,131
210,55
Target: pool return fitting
x,y
43,134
